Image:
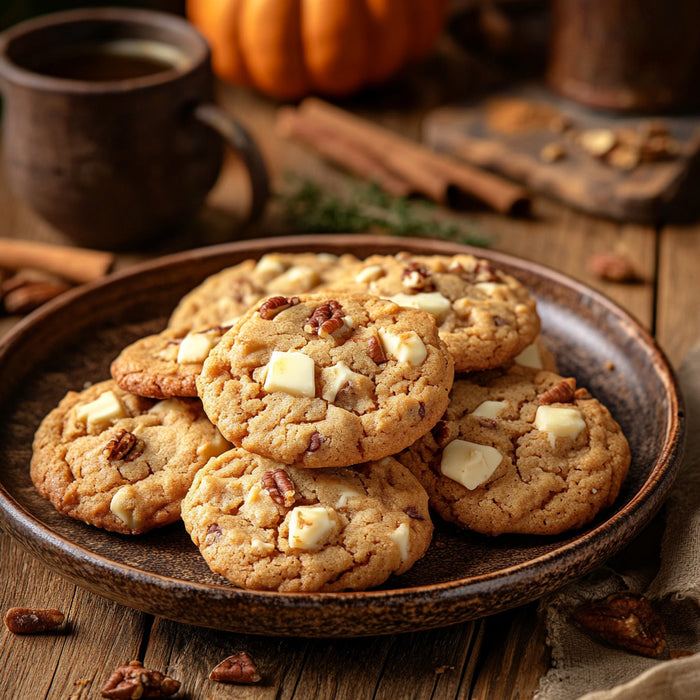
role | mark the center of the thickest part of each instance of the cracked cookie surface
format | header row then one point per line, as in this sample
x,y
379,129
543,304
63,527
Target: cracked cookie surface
x,y
485,316
226,295
520,452
119,461
319,381
263,525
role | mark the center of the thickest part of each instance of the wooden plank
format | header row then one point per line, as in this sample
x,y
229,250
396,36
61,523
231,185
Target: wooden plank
x,y
75,661
678,305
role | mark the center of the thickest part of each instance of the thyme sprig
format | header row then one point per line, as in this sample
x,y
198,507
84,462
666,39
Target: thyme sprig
x,y
309,207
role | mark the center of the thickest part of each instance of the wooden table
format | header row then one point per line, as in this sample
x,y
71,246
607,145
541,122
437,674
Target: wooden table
x,y
501,656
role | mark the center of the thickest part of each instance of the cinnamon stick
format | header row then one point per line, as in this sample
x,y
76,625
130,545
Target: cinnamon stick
x,y
435,175
71,263
340,151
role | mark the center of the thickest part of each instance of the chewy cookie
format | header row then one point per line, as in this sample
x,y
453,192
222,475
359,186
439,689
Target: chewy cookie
x,y
119,461
485,316
165,364
315,381
228,294
520,452
263,525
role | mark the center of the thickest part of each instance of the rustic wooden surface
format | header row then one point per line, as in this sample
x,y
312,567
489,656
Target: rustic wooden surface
x,y
502,656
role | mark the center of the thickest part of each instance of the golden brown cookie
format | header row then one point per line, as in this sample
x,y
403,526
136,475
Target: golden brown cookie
x,y
263,525
520,452
319,381
119,461
485,316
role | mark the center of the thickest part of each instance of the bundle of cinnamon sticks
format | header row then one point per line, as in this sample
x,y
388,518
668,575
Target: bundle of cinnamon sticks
x,y
401,166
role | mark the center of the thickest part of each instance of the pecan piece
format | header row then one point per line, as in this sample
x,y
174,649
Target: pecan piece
x,y
121,446
33,620
272,306
413,513
280,487
314,441
613,267
624,620
563,392
133,681
375,350
238,668
326,319
30,295
441,432
416,278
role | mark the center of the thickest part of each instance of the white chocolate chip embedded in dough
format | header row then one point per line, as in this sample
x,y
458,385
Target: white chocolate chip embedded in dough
x,y
103,410
291,372
260,548
122,506
559,422
405,347
530,357
489,409
431,302
400,536
297,279
214,447
335,378
310,527
370,274
270,265
469,463
345,495
194,347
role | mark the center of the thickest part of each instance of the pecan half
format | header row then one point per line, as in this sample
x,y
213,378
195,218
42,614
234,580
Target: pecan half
x,y
238,668
375,350
122,446
416,278
326,319
33,620
272,306
624,620
133,681
562,392
280,487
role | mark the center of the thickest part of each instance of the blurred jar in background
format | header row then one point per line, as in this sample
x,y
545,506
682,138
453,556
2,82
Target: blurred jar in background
x,y
626,55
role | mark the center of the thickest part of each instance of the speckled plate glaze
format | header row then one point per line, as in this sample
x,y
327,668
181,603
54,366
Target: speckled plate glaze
x,y
463,576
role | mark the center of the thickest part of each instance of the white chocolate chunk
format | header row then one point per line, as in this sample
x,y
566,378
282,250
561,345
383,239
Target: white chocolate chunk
x,y
370,274
530,357
214,447
165,406
488,287
345,495
405,347
122,506
253,494
400,537
489,409
260,548
469,463
559,422
270,265
310,527
432,302
194,347
299,278
291,372
103,410
335,378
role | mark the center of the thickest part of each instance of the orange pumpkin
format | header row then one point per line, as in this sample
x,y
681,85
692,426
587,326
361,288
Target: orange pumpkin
x,y
291,48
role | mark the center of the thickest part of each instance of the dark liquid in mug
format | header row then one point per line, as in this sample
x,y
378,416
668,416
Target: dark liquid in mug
x,y
120,59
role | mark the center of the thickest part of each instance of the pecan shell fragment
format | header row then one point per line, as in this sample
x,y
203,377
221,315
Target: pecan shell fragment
x,y
33,620
238,668
133,681
624,620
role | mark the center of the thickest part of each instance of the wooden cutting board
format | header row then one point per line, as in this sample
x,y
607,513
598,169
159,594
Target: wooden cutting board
x,y
507,132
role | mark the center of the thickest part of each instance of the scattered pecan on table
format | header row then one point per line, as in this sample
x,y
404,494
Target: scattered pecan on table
x,y
33,620
134,681
238,668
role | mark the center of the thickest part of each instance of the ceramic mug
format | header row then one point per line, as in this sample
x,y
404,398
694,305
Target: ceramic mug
x,y
110,132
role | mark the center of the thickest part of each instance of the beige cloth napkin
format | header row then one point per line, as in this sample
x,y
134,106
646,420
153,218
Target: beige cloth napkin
x,y
582,669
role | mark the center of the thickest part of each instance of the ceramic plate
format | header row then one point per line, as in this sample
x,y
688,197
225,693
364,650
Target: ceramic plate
x,y
463,576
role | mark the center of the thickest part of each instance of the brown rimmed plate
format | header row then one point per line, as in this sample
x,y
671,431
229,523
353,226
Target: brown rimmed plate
x,y
463,576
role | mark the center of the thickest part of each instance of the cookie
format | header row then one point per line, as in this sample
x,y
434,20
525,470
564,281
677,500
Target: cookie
x,y
228,294
315,381
119,461
263,525
520,452
166,364
485,316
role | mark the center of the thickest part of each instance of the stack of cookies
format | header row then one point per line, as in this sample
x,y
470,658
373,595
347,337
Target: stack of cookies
x,y
306,414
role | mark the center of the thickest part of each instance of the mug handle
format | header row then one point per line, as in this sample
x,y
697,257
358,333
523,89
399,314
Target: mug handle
x,y
238,138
